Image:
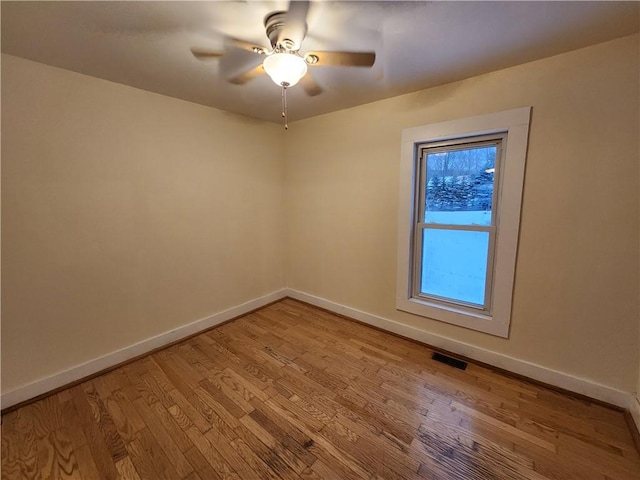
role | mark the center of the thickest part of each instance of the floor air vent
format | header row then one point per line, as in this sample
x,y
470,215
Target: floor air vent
x,y
438,357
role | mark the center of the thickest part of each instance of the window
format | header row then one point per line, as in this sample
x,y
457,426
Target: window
x,y
454,232
460,195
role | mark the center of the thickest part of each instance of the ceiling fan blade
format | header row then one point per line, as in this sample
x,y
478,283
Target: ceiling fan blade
x,y
346,59
249,47
310,86
205,54
295,24
247,75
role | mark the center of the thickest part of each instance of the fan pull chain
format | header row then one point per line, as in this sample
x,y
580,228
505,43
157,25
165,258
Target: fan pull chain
x,y
285,114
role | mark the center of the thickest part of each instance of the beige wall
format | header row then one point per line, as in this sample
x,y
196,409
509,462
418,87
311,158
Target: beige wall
x,y
576,292
125,214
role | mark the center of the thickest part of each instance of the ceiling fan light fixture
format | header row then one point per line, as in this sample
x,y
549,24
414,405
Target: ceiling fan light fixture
x,y
285,69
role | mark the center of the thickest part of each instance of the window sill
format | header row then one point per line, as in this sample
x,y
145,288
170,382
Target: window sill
x,y
461,317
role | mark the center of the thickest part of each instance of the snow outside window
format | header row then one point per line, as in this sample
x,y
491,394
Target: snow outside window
x,y
460,194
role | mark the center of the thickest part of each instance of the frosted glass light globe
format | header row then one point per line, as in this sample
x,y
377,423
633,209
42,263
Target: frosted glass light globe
x,y
285,68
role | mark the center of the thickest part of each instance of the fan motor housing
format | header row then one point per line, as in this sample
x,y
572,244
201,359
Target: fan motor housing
x,y
274,22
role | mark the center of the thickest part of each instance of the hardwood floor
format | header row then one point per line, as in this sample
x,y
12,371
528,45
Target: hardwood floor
x,y
293,392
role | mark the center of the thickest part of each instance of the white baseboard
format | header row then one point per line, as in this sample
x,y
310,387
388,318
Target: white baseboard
x,y
546,375
552,377
57,380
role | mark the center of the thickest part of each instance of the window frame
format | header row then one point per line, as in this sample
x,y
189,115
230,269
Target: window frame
x,y
420,225
509,183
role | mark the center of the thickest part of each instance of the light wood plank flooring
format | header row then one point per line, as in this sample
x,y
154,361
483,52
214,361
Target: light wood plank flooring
x,y
293,392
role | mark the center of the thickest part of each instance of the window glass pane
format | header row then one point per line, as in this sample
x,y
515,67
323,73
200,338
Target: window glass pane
x,y
454,264
460,184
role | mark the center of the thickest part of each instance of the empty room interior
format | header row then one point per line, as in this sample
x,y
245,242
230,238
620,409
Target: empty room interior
x,y
320,240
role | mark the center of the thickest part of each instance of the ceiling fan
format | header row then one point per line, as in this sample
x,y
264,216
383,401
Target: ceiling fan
x,y
283,62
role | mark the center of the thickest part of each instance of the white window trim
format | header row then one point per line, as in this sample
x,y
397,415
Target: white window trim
x,y
516,124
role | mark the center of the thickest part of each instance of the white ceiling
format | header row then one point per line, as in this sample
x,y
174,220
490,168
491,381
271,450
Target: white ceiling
x,y
419,44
